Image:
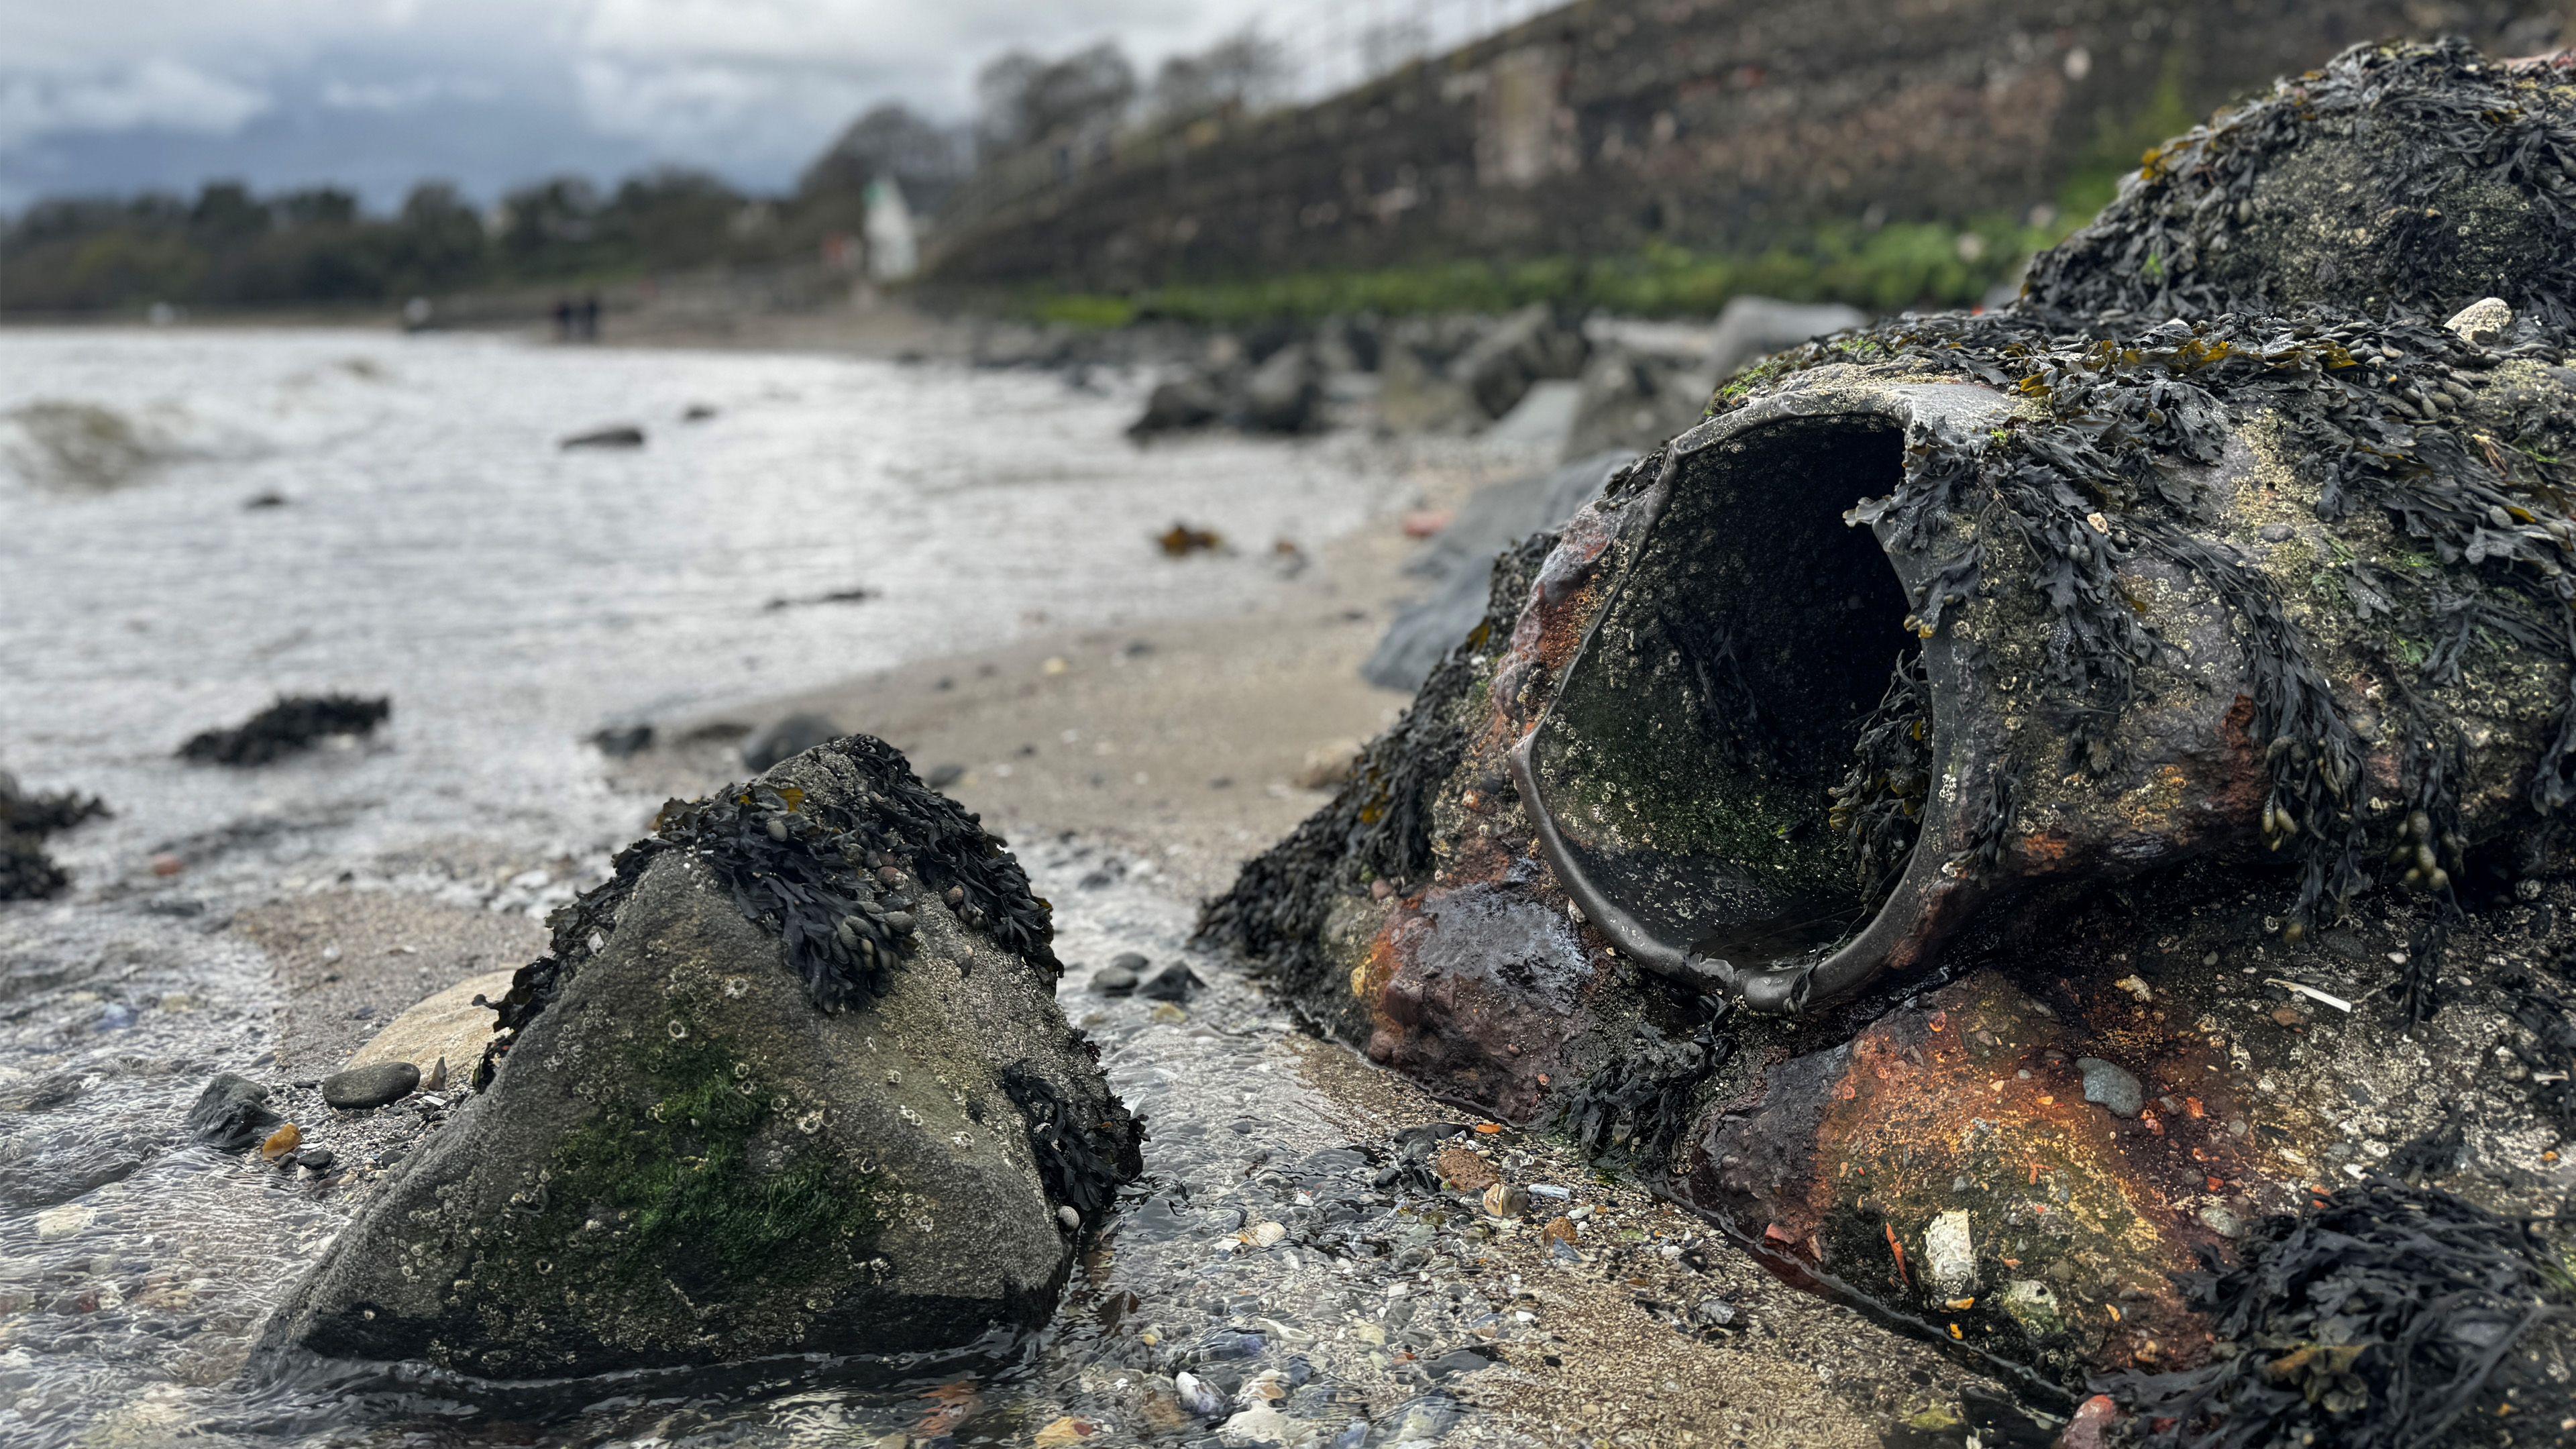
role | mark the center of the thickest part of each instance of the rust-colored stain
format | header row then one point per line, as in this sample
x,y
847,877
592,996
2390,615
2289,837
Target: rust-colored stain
x,y
1973,1104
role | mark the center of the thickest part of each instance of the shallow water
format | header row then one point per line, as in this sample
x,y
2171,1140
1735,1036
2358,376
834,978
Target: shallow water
x,y
435,545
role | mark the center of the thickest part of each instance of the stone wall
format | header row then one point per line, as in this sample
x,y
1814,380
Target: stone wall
x,y
1610,124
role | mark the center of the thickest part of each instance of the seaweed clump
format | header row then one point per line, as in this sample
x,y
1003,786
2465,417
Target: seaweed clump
x,y
1640,1101
840,887
27,872
1081,1162
293,724
2371,1322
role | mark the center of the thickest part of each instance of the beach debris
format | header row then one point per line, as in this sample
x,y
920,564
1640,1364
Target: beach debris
x,y
1181,540
1950,1255
280,1143
2323,998
683,1055
855,595
624,435
361,1089
294,723
27,871
231,1114
791,736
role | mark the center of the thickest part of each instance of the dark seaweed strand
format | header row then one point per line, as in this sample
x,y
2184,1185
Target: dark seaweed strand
x,y
1640,1101
1082,1158
2372,1321
826,881
1878,806
27,872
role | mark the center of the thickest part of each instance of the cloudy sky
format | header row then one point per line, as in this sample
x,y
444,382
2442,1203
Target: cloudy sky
x,y
116,95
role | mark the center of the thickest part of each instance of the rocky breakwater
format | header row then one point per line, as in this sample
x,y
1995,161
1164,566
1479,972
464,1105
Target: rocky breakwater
x,y
2016,810
793,1082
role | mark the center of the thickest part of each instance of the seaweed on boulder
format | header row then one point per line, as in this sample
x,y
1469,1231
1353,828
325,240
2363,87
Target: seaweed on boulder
x,y
293,724
1082,1162
840,887
2372,1321
27,872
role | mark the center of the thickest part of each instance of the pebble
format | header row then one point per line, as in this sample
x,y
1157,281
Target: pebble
x,y
1131,961
1175,982
362,1088
1260,1424
1071,1219
1268,1235
57,1223
231,1114
2482,322
281,1142
1503,1200
318,1159
2111,1086
1113,981
1198,1396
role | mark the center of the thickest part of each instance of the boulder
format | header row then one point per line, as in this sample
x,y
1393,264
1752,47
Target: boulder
x,y
1193,399
360,1089
447,1027
1630,400
1525,347
1416,392
794,1081
1285,393
1459,563
1750,328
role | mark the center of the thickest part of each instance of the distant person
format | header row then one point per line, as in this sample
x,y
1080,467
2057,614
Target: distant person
x,y
590,317
563,319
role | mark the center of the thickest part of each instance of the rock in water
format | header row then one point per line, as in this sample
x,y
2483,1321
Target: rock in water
x,y
294,723
232,1114
623,436
769,1093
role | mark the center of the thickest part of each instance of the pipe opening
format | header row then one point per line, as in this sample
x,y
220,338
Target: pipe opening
x,y
1739,757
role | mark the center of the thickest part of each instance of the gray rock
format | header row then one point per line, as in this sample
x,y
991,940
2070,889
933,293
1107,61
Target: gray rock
x,y
2111,1086
1130,961
1175,982
617,437
793,735
2483,322
1753,327
361,1088
1461,561
1529,345
1630,401
1192,400
1285,393
231,1114
1113,981
681,1159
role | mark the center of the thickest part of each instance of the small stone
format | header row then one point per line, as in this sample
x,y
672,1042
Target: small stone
x,y
1069,1217
1503,1200
1198,1396
57,1223
2031,1304
1166,1014
2112,1087
1061,1432
1465,1170
2219,1220
1130,961
1260,1424
1113,981
361,1088
281,1142
1950,1255
231,1114
317,1159
1713,1313
1175,982
1268,1235
1560,1230
2482,323
166,864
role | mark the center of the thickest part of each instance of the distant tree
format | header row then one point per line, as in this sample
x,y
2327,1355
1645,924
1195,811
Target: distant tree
x,y
547,228
1023,101
1245,71
893,142
671,217
437,242
226,215
316,206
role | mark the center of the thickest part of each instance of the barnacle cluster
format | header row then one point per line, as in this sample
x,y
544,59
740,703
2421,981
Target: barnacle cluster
x,y
27,873
841,885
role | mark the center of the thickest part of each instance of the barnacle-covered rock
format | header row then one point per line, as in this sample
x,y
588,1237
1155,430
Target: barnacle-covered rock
x,y
793,1082
1974,704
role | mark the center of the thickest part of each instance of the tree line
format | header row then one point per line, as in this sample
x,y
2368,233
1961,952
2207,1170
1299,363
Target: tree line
x,y
317,246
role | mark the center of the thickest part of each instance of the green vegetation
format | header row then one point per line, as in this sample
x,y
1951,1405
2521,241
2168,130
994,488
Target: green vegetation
x,y
1882,269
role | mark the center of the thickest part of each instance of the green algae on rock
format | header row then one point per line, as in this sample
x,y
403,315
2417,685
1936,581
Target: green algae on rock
x,y
719,1131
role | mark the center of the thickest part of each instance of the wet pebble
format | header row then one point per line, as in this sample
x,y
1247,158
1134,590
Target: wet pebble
x,y
1113,981
2111,1086
1198,1396
362,1088
1175,982
231,1114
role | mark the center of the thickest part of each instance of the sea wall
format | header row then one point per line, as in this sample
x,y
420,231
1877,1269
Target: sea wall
x,y
1609,125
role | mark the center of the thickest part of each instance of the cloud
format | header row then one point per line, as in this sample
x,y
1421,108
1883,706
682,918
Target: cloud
x,y
157,94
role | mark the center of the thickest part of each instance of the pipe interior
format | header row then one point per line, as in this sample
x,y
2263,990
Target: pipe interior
x,y
1692,756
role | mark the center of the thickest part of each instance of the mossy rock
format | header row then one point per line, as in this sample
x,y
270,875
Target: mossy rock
x,y
682,1160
